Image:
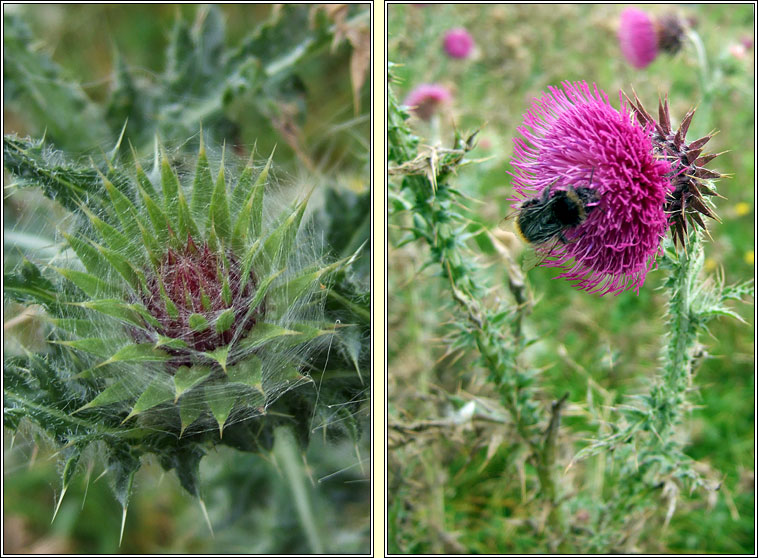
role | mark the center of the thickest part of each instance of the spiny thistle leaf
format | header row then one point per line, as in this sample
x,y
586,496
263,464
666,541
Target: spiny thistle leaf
x,y
155,394
219,213
68,184
188,377
248,372
29,286
179,327
202,188
170,185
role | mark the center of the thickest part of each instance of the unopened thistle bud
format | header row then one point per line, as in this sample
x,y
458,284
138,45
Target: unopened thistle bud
x,y
184,306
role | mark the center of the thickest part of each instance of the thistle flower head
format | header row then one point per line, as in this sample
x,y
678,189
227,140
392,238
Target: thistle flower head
x,y
425,99
670,29
637,37
573,138
183,306
642,36
458,43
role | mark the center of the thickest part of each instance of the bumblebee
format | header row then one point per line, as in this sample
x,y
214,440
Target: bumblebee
x,y
544,219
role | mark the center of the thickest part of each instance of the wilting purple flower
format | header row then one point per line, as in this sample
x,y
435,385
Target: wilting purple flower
x,y
637,37
573,138
458,43
426,98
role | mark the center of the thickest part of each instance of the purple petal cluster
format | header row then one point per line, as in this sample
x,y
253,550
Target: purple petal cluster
x,y
637,37
458,43
573,137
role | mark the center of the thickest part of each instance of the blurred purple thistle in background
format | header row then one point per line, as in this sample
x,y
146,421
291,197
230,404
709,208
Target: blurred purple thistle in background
x,y
574,139
642,36
458,43
425,99
637,37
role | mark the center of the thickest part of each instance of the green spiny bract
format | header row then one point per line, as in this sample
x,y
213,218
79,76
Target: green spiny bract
x,y
181,310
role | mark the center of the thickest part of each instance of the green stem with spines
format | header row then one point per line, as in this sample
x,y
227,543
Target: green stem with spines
x,y
436,221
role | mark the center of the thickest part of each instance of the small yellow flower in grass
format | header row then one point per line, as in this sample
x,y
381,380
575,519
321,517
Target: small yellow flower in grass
x,y
750,257
742,209
710,264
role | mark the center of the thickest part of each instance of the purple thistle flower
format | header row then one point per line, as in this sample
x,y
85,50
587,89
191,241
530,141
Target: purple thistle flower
x,y
426,98
458,43
638,37
573,139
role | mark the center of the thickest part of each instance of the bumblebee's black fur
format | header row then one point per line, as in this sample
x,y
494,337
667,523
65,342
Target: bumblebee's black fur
x,y
543,219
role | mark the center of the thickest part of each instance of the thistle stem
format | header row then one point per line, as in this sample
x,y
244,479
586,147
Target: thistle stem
x,y
498,349
668,397
705,81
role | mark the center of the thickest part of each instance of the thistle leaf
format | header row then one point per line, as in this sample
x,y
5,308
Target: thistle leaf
x,y
202,187
221,408
95,345
262,333
156,393
191,406
219,211
90,257
170,343
92,286
349,339
122,465
113,237
115,393
157,217
188,377
140,352
279,244
30,286
198,322
170,185
142,179
250,217
135,313
187,226
247,372
121,264
124,209
225,320
78,327
219,355
185,460
296,287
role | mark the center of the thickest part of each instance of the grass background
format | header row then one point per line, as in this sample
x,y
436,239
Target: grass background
x,y
250,507
455,489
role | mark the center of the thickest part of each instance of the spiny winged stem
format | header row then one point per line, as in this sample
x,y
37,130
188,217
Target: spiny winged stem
x,y
437,221
668,396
